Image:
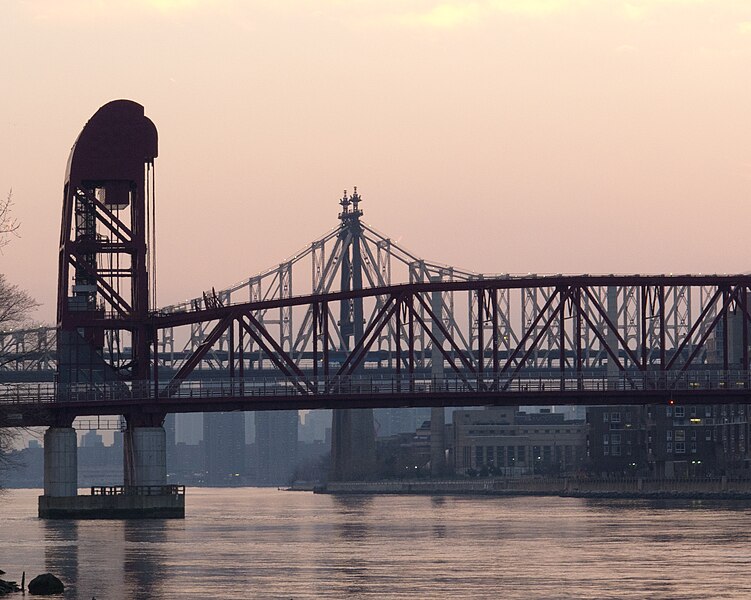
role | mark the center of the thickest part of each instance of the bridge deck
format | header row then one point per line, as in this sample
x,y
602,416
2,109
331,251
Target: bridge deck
x,y
46,403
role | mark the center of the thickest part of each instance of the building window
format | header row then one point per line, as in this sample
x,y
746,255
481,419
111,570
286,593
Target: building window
x,y
615,438
467,457
669,435
693,411
489,455
680,411
668,411
616,450
693,447
536,453
708,411
606,450
615,417
680,435
478,456
708,435
606,417
521,454
669,448
605,439
680,447
511,457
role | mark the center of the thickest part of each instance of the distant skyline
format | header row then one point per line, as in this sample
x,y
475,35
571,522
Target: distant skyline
x,y
546,136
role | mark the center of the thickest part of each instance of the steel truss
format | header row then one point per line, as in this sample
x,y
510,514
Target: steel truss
x,y
565,327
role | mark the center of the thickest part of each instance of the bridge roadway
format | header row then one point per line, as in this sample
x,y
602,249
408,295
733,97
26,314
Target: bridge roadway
x,y
48,404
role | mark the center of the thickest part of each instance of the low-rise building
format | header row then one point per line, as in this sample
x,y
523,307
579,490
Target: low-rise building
x,y
669,440
617,440
504,441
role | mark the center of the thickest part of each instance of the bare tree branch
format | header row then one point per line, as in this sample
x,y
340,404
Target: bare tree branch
x,y
15,306
9,225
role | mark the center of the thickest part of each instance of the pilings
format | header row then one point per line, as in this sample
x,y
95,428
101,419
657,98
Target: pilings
x,y
60,462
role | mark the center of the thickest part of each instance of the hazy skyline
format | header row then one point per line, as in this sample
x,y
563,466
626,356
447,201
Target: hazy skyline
x,y
499,136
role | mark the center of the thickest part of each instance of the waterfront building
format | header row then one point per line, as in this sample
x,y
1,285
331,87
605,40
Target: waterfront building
x,y
505,441
669,440
617,440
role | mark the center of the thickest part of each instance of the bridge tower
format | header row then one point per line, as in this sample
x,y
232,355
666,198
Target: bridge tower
x,y
352,430
106,284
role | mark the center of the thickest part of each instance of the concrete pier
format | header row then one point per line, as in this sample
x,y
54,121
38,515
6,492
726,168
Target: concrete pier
x,y
60,462
145,460
144,495
352,444
118,502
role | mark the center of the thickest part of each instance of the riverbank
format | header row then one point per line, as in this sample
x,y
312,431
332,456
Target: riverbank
x,y
719,488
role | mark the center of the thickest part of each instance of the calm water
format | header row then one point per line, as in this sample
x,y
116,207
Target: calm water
x,y
247,543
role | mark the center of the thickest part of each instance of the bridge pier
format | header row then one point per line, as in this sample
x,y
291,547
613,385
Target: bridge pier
x,y
437,414
60,462
352,444
145,459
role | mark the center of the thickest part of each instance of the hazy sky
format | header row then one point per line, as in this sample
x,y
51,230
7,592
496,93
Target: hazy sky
x,y
496,135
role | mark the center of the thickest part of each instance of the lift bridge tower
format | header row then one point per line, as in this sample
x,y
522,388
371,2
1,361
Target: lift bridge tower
x,y
107,279
352,430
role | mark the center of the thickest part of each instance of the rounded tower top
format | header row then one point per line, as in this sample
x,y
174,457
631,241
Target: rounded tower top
x,y
113,145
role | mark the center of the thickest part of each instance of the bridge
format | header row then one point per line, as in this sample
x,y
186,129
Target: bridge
x,y
369,324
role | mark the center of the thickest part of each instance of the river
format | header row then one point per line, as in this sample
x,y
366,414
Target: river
x,y
264,543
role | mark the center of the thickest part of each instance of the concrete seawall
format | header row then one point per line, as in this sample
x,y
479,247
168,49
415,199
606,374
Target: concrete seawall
x,y
711,488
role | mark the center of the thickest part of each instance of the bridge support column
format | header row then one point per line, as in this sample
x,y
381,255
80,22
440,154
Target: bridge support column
x,y
60,462
145,460
352,444
437,414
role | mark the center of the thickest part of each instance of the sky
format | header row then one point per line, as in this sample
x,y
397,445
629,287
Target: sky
x,y
500,136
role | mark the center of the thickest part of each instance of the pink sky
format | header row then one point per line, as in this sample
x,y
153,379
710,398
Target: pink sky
x,y
500,136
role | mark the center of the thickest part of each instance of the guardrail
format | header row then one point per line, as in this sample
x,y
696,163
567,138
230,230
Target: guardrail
x,y
138,490
528,383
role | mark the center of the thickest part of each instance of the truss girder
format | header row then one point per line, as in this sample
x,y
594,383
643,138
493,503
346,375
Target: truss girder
x,y
576,330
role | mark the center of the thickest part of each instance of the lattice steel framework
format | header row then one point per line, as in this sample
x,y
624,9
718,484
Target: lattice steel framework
x,y
570,326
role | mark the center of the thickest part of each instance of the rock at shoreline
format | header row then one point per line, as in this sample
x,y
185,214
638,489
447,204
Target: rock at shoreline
x,y
6,587
45,585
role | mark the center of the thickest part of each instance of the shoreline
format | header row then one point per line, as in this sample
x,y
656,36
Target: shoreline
x,y
636,489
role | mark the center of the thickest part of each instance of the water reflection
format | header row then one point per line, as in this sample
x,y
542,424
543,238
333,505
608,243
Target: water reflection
x,y
61,549
351,531
143,561
305,546
355,504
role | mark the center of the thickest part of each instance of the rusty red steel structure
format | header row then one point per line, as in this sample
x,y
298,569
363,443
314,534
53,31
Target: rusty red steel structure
x,y
107,248
523,340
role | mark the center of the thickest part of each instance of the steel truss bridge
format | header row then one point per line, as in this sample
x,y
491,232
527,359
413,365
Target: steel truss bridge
x,y
367,323
521,340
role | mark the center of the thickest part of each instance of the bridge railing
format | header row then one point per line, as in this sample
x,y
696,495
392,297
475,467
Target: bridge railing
x,y
138,490
373,385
